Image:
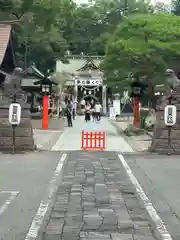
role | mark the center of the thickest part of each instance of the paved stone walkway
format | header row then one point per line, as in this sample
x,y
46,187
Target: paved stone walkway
x,y
96,201
72,137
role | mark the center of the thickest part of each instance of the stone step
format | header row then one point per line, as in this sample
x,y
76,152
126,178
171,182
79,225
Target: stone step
x,y
21,143
19,132
124,118
175,134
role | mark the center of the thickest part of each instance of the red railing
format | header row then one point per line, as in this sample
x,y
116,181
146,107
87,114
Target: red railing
x,y
93,140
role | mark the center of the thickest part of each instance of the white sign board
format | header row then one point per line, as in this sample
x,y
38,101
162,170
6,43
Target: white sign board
x,y
90,82
15,114
170,113
112,113
117,106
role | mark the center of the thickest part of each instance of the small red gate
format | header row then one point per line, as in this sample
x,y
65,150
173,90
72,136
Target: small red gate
x,y
93,140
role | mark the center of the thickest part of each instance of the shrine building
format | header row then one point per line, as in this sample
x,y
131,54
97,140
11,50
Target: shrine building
x,y
84,76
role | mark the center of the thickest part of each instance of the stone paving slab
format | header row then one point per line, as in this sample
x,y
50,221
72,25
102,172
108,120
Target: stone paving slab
x,y
45,139
53,123
96,201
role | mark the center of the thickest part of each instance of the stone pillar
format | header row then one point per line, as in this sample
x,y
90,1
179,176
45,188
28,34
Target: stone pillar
x,y
33,100
76,94
104,97
24,132
160,134
76,91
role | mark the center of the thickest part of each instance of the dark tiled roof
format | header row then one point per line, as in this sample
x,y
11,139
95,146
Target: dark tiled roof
x,y
89,64
5,32
33,71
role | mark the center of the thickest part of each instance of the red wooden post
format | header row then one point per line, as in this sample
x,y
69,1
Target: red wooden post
x,y
136,111
82,143
95,140
91,139
100,139
103,146
45,113
87,140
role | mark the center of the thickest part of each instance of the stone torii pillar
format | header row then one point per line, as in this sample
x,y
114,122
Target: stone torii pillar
x,y
104,98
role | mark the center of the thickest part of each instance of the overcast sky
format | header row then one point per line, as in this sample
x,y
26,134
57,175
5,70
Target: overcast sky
x,y
165,1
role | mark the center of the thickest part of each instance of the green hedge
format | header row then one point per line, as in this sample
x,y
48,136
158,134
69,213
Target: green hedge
x,y
143,115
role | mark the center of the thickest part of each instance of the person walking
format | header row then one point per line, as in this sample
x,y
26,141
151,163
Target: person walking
x,y
93,110
93,114
69,113
83,103
98,108
74,103
60,111
63,105
87,112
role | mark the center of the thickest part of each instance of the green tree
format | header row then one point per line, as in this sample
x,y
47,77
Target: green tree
x,y
143,45
38,29
45,29
176,7
80,32
93,24
161,7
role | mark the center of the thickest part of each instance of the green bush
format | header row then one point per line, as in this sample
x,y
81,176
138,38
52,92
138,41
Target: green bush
x,y
143,115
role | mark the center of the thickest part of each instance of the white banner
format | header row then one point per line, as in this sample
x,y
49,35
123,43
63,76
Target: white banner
x,y
112,113
117,106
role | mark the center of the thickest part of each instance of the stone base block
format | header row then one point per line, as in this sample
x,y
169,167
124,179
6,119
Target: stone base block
x,y
24,140
159,142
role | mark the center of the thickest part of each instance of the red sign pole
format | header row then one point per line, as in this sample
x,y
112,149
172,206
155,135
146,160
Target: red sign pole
x,y
136,111
45,112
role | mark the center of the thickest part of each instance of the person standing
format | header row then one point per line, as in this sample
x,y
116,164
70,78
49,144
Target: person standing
x,y
60,111
63,105
93,110
69,113
83,103
74,103
98,108
87,112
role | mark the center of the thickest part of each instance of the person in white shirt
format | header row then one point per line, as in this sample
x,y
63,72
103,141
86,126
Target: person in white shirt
x,y
63,105
87,112
97,109
83,103
74,103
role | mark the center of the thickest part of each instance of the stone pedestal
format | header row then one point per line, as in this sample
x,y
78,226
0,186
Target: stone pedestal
x,y
160,135
24,132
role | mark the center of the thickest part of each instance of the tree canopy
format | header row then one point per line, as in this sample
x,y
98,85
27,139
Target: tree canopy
x,y
176,7
38,29
44,30
143,45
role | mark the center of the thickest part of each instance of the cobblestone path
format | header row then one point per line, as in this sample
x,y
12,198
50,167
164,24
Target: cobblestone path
x,y
96,201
